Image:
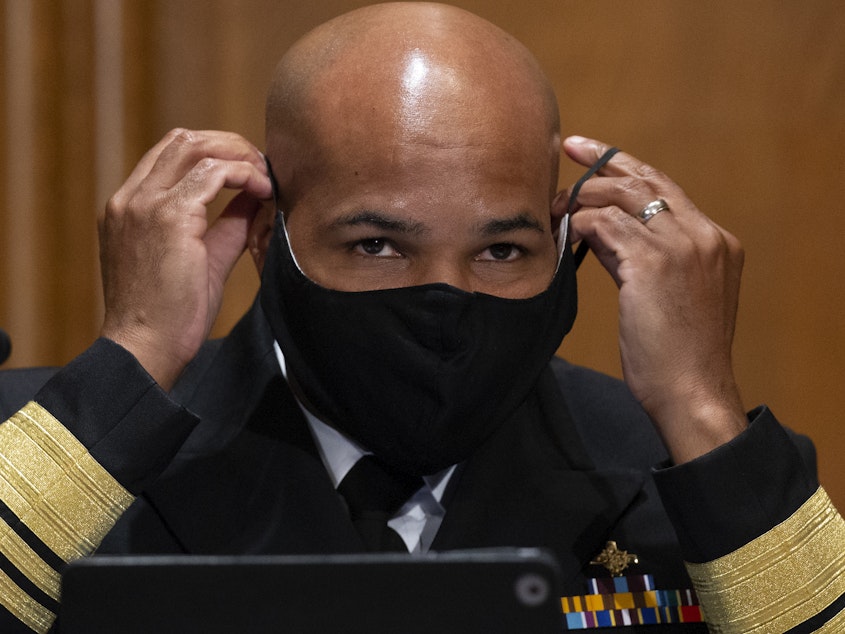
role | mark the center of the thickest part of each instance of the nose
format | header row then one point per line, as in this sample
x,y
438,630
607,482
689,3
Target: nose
x,y
444,272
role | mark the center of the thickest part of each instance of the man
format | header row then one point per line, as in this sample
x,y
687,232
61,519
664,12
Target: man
x,y
412,295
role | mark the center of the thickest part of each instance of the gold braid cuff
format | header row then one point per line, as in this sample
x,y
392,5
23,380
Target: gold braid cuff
x,y
26,609
780,579
836,625
61,493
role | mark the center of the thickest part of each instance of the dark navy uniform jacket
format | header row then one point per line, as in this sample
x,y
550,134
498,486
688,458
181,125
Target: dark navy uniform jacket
x,y
225,464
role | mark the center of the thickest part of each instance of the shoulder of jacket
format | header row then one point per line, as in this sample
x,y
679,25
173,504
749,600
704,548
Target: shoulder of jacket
x,y
614,428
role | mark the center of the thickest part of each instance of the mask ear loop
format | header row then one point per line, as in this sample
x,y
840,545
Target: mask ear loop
x,y
281,214
583,248
273,184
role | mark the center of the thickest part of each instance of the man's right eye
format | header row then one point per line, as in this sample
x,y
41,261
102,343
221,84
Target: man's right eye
x,y
378,247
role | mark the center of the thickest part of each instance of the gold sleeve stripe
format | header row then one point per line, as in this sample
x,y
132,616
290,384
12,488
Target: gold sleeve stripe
x,y
51,482
780,579
836,625
26,609
26,560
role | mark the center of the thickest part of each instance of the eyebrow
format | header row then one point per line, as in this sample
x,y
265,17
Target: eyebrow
x,y
386,222
516,223
381,221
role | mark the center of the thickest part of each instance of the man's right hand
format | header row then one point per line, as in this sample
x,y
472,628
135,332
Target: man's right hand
x,y
163,266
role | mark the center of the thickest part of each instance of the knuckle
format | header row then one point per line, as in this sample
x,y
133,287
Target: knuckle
x,y
712,233
134,208
114,206
180,135
183,139
147,209
628,185
615,220
735,249
205,166
647,172
733,243
721,243
611,214
712,249
115,209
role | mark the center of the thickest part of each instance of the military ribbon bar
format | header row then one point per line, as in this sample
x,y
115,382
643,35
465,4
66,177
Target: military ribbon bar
x,y
632,600
637,616
629,583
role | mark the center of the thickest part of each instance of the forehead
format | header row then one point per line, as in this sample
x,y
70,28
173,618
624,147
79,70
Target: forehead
x,y
416,117
422,93
428,120
375,161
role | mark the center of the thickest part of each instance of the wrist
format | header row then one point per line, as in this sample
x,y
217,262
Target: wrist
x,y
160,361
692,426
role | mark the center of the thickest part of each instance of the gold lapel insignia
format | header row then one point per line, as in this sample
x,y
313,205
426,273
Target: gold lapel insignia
x,y
615,560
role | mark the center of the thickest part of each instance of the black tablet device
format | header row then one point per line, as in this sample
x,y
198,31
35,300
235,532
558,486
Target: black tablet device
x,y
462,591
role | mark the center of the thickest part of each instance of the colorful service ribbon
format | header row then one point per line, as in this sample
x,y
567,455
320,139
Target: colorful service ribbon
x,y
630,600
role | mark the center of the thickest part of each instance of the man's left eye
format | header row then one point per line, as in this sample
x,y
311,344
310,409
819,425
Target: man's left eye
x,y
502,252
378,247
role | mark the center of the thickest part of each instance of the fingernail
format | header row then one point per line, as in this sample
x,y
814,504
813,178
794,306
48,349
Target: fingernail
x,y
577,139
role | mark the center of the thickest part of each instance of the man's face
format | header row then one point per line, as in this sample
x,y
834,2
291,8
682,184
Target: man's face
x,y
430,186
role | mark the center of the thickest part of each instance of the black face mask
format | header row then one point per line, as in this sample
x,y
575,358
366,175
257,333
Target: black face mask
x,y
421,375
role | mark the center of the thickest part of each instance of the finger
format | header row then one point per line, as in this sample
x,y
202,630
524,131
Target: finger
x,y
626,192
636,177
226,238
189,147
612,235
141,170
587,151
204,181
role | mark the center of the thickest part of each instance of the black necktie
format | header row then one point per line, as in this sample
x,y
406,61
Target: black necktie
x,y
374,492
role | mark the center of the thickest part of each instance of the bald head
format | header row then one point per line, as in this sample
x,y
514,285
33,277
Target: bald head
x,y
420,113
432,71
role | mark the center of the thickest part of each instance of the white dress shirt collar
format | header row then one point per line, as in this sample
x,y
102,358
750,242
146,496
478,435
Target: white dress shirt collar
x,y
419,518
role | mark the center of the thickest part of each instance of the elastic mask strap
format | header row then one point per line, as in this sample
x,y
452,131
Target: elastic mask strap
x,y
273,182
562,239
281,213
581,252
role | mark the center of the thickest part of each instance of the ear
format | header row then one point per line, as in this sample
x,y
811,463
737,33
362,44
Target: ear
x,y
260,233
557,211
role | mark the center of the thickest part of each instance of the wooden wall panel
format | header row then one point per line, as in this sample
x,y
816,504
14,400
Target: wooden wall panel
x,y
49,242
741,102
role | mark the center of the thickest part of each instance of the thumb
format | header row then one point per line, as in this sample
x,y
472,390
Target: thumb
x,y
226,238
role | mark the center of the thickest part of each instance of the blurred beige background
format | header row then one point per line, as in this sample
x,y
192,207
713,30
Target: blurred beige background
x,y
743,103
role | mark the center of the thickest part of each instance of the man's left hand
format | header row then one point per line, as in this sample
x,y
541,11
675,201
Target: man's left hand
x,y
678,275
